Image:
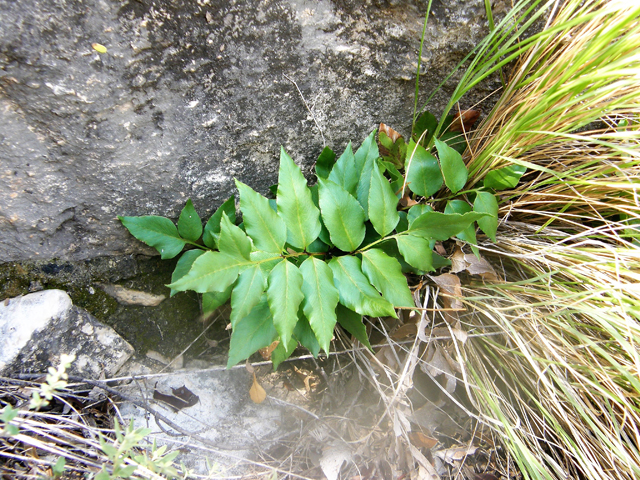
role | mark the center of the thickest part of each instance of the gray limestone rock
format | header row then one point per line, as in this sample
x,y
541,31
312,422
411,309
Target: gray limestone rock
x,y
37,328
189,95
222,413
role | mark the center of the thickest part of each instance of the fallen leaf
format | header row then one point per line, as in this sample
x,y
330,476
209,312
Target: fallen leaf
x,y
126,296
425,470
181,398
406,201
405,331
456,454
458,263
249,367
99,48
460,334
267,351
436,364
451,287
461,261
157,356
429,417
256,392
386,357
389,132
464,121
421,440
332,460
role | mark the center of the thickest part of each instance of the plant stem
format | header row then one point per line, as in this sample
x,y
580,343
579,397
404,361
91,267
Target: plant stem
x,y
415,101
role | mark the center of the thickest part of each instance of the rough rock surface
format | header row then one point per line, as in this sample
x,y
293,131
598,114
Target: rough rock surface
x,y
37,328
223,414
189,94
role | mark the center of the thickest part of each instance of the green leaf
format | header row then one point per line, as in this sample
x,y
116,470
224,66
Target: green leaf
x,y
383,203
416,251
352,323
212,228
211,301
253,332
325,163
306,336
295,204
355,290
397,179
211,272
342,215
126,472
486,202
364,186
385,273
189,223
284,291
453,168
426,122
417,210
247,293
58,468
455,140
8,413
397,151
281,353
344,172
233,241
442,226
324,233
157,232
110,450
318,246
504,178
320,299
460,206
184,265
102,475
367,151
423,177
266,260
267,230
403,224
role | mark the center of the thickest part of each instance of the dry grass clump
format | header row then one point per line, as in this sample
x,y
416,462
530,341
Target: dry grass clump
x,y
562,383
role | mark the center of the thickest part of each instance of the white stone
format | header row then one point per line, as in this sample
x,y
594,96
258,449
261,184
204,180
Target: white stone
x,y
36,329
22,316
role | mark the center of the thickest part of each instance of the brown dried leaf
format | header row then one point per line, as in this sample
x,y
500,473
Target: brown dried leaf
x,y
449,285
267,351
386,357
479,266
389,132
458,263
461,261
436,364
406,201
456,454
256,392
249,367
466,119
405,331
421,440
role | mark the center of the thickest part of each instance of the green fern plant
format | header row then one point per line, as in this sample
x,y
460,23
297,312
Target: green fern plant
x,y
323,254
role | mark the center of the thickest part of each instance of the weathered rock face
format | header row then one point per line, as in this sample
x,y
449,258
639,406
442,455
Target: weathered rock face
x,y
37,328
190,94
